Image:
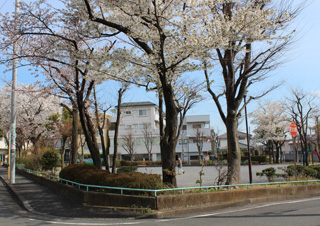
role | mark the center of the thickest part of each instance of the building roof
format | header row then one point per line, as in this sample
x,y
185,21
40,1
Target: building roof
x,y
138,104
197,118
225,135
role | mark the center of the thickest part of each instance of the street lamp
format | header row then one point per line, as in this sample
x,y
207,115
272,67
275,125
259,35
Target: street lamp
x,y
248,141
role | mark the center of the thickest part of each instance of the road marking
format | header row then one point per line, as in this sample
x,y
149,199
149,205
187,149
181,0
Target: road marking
x,y
239,210
78,223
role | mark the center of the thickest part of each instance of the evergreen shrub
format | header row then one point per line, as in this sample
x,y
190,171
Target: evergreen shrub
x,y
88,174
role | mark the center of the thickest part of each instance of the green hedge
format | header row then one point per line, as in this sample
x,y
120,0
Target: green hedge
x,y
88,174
312,171
256,158
127,169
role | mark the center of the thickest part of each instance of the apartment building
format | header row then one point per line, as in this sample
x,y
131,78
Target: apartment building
x,y
139,122
187,148
139,118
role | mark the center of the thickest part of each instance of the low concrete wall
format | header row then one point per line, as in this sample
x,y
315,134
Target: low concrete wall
x,y
174,202
237,196
93,198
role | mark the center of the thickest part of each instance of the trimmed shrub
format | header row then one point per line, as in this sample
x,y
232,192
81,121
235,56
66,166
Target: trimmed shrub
x,y
127,169
76,172
309,171
87,174
49,160
317,168
256,158
270,173
128,163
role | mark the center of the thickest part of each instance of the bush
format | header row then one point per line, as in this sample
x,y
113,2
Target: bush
x,y
76,172
30,162
317,168
49,160
256,158
270,173
87,174
310,172
127,169
128,163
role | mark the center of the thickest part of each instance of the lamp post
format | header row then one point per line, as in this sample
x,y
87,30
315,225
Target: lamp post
x,y
248,141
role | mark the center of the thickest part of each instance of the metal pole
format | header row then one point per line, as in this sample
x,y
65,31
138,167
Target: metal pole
x,y
248,141
9,145
13,113
295,158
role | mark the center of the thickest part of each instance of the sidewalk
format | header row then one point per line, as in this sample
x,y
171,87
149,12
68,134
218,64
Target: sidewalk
x,y
41,200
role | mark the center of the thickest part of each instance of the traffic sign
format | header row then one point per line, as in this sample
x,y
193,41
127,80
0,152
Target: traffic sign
x,y
293,129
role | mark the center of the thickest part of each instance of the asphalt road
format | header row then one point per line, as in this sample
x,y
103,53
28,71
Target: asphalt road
x,y
293,213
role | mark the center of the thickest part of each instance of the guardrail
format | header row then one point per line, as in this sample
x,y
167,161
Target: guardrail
x,y
156,192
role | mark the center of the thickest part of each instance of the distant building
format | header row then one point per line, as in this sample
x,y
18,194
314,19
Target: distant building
x,y
187,147
242,138
3,149
139,117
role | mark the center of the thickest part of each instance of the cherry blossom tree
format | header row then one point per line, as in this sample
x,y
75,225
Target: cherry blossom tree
x,y
161,36
34,107
272,122
56,42
256,35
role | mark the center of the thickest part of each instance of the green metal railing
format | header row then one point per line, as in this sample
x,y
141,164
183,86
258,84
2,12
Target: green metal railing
x,y
156,192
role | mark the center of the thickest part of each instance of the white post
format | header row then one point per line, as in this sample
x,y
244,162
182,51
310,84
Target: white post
x,y
13,113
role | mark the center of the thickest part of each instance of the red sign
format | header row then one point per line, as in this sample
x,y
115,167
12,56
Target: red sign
x,y
293,129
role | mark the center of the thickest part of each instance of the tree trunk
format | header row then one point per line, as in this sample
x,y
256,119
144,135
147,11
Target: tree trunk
x,y
64,140
169,140
90,134
277,152
116,131
234,158
75,135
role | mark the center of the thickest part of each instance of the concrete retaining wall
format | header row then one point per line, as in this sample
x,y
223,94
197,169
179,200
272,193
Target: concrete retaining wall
x,y
93,198
174,202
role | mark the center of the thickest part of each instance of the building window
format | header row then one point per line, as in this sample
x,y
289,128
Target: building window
x,y
142,126
196,126
128,112
184,127
142,112
128,127
194,157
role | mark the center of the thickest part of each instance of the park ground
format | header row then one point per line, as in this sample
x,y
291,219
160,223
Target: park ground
x,y
191,175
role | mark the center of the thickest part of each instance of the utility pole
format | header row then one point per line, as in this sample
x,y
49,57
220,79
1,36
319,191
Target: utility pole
x,y
13,112
248,141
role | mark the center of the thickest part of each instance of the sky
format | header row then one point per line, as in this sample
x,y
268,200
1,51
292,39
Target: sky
x,y
301,69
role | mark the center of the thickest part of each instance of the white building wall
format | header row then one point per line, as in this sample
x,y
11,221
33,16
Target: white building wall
x,y
133,118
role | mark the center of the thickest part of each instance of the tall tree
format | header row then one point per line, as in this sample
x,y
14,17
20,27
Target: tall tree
x,y
271,120
255,37
56,41
301,107
121,91
34,108
162,35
